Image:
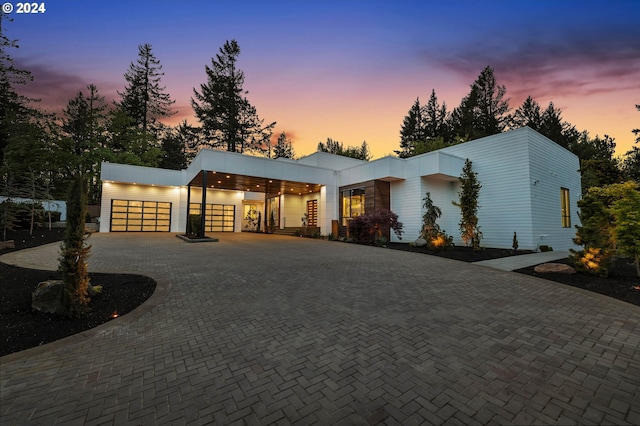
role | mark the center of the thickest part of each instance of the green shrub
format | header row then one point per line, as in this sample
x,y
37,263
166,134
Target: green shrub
x,y
195,224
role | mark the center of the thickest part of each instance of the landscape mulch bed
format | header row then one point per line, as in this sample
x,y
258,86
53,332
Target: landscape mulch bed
x,y
622,282
21,327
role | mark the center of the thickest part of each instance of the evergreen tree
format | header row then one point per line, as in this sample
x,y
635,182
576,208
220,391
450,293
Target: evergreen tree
x,y
179,146
83,145
598,165
529,115
631,164
411,130
174,151
364,153
626,212
637,131
555,128
15,109
127,142
228,120
484,111
335,147
434,119
144,99
468,203
283,148
608,222
73,264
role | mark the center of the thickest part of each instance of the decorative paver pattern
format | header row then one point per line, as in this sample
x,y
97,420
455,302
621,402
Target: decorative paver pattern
x,y
266,329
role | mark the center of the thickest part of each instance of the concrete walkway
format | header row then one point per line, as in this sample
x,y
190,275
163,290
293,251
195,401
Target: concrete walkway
x,y
264,329
511,263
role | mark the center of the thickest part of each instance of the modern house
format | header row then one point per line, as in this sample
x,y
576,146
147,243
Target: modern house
x,y
530,185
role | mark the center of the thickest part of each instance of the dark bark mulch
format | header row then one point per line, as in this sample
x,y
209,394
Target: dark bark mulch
x,y
21,327
622,282
464,254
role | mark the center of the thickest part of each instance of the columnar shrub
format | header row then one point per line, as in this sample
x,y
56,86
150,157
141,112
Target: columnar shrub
x,y
468,204
73,260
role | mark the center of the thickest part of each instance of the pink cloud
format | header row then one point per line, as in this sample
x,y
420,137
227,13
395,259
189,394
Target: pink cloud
x,y
54,88
569,65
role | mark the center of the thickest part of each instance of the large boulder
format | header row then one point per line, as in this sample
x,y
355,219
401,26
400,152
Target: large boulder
x,y
559,268
46,297
420,242
9,244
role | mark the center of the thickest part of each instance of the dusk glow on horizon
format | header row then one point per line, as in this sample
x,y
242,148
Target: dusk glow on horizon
x,y
349,70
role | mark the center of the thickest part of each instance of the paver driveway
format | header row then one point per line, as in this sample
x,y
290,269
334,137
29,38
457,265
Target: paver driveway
x,y
263,329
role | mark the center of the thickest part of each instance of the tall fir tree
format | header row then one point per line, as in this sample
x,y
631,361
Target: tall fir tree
x,y
179,146
83,144
229,121
136,126
411,130
631,161
529,114
20,121
636,132
598,165
434,119
144,98
283,147
484,111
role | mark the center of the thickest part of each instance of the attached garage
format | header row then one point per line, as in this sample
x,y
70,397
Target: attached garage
x,y
140,216
217,217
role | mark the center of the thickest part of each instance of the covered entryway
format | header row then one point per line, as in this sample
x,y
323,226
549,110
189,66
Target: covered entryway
x,y
275,212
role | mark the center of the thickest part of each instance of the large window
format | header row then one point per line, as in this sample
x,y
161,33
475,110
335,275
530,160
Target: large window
x,y
312,213
148,216
565,202
352,204
217,217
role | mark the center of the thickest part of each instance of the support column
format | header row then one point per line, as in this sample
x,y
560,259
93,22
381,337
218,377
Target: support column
x,y
204,203
187,225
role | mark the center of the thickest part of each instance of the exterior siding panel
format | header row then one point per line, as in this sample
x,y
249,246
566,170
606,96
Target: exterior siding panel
x,y
521,173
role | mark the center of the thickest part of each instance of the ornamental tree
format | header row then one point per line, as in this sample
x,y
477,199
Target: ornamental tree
x,y
468,204
372,225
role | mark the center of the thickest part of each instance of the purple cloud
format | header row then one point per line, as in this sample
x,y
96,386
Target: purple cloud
x,y
571,64
55,88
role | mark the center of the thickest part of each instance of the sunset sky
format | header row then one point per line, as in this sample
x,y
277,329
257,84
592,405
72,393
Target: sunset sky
x,y
349,70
